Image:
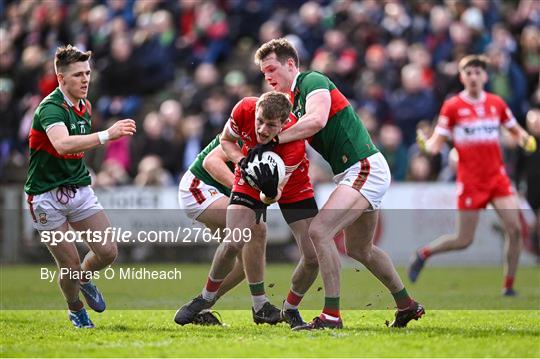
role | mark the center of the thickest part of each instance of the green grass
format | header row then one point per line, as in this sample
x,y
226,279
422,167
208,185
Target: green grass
x,y
466,317
148,333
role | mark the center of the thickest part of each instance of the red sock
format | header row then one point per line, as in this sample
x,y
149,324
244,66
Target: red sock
x,y
508,282
424,253
293,298
213,285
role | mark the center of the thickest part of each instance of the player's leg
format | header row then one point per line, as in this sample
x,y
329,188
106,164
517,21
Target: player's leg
x,y
304,274
214,217
101,254
467,222
49,218
359,245
69,271
342,208
508,210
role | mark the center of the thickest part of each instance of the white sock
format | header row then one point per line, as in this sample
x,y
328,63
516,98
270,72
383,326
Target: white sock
x,y
208,296
329,317
258,301
288,305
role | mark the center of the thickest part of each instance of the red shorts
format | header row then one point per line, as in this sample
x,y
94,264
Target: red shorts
x,y
476,195
294,191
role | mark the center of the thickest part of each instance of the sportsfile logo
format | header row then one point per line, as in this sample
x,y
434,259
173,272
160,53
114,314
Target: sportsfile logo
x,y
117,235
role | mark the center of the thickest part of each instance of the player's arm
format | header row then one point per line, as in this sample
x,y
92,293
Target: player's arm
x,y
215,163
523,138
432,145
229,144
315,118
65,144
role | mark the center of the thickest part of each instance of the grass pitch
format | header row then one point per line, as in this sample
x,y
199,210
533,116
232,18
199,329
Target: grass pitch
x,y
466,317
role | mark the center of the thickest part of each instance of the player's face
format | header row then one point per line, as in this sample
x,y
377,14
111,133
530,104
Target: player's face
x,y
473,78
75,80
279,76
266,129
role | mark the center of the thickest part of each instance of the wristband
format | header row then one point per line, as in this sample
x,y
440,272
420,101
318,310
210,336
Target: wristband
x,y
103,137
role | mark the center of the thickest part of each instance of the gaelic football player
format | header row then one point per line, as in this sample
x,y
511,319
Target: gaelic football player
x,y
472,120
329,122
58,182
256,121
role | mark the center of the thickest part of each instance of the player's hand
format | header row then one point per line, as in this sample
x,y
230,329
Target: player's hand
x,y
258,150
260,213
243,165
267,180
421,140
529,145
126,127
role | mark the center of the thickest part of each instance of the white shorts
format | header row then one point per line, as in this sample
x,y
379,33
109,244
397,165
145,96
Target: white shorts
x,y
194,196
371,177
51,209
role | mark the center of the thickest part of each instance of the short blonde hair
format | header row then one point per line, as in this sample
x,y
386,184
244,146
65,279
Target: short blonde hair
x,y
274,105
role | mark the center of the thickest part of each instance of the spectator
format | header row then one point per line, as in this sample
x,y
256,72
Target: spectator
x,y
119,87
391,146
507,81
411,103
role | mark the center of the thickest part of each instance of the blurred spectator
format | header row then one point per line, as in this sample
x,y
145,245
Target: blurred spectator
x,y
419,169
10,120
47,81
507,80
112,174
308,25
394,151
396,21
530,55
342,58
192,133
151,141
153,51
118,83
151,173
420,56
411,103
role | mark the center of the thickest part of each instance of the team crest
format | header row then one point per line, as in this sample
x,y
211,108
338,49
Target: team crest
x,y
212,192
43,218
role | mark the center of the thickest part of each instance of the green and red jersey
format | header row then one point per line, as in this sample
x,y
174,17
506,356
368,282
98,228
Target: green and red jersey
x,y
198,170
48,169
344,140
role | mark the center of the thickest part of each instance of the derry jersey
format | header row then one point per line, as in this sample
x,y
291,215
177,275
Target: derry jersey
x,y
474,126
48,169
344,141
242,126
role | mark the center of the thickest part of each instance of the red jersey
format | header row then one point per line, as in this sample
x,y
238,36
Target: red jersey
x,y
241,125
474,125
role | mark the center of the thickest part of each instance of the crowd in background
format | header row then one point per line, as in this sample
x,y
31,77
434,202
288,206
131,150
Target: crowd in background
x,y
178,67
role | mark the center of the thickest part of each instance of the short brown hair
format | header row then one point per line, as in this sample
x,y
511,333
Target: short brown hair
x,y
68,55
274,105
281,47
473,60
